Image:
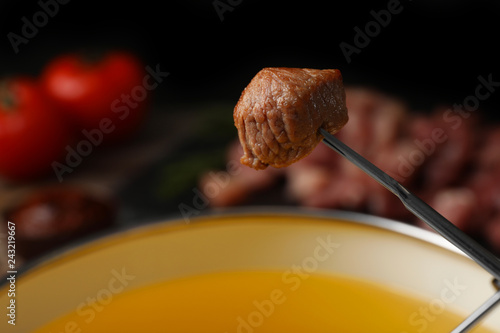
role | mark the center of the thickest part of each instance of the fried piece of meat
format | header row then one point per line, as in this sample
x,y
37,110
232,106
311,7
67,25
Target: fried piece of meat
x,y
280,112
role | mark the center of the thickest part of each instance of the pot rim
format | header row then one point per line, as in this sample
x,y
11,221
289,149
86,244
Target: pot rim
x,y
382,223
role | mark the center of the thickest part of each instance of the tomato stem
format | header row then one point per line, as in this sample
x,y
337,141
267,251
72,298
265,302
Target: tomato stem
x,y
7,99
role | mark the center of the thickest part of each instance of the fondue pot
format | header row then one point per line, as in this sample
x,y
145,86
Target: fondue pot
x,y
84,282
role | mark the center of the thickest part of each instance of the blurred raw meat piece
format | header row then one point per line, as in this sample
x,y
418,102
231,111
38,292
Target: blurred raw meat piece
x,y
452,165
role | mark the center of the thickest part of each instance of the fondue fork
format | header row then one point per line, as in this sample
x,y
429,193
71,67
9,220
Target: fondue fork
x,y
431,217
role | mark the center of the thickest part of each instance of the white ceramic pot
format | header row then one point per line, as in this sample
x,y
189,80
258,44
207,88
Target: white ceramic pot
x,y
385,252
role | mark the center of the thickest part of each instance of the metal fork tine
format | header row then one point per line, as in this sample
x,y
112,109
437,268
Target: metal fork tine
x,y
419,208
432,218
477,315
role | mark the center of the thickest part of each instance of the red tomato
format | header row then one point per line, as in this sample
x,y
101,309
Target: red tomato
x,y
32,134
110,88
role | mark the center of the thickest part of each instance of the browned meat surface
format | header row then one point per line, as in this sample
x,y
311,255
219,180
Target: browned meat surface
x,y
280,112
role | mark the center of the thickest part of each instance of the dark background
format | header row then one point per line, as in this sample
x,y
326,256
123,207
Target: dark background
x,y
431,52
